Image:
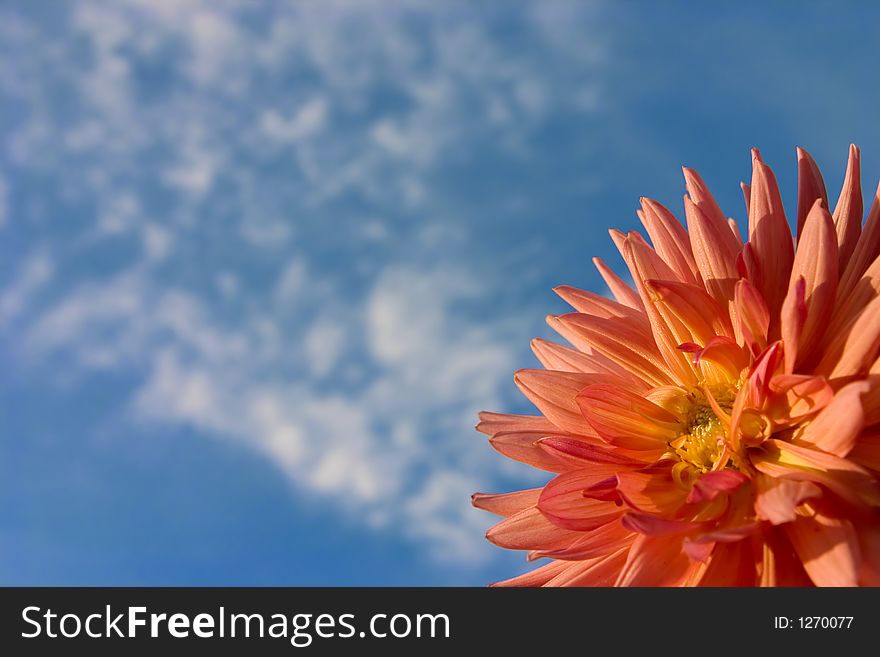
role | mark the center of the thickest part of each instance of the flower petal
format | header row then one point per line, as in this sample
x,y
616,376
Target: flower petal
x,y
828,548
710,485
563,503
603,540
769,236
751,319
523,446
582,453
814,268
670,240
530,530
849,208
777,499
621,291
626,419
555,394
810,187
491,423
651,491
506,504
715,251
778,458
627,346
836,428
655,561
853,354
564,359
866,251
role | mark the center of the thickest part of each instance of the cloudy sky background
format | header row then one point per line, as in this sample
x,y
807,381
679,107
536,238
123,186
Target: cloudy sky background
x,y
262,263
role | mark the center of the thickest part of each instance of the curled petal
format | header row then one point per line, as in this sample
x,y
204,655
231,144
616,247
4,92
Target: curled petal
x,y
523,446
582,453
626,419
711,484
777,499
778,458
563,503
651,491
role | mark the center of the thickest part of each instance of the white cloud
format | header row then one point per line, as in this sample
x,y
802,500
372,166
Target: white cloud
x,y
307,121
356,364
35,273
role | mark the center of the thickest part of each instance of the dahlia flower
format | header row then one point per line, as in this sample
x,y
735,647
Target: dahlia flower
x,y
718,422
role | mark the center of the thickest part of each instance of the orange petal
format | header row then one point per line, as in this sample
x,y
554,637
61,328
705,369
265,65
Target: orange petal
x,y
506,504
555,394
655,561
866,250
601,571
491,423
777,499
836,428
538,576
621,291
701,196
694,309
853,354
564,359
563,503
523,446
595,304
778,458
710,485
731,564
828,548
625,345
769,236
582,453
814,268
651,491
794,397
781,565
626,419
848,212
715,251
530,530
667,329
670,240
603,540
751,319
810,187
867,450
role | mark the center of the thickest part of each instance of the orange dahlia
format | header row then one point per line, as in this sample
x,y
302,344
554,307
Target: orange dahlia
x,y
718,422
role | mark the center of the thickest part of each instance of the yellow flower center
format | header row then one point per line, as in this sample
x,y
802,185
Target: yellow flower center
x,y
701,445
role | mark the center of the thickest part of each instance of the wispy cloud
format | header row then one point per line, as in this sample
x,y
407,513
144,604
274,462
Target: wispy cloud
x,y
259,231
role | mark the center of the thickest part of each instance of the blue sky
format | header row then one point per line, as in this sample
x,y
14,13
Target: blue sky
x,y
262,263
